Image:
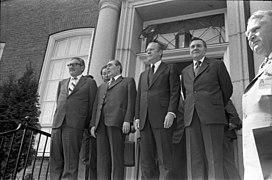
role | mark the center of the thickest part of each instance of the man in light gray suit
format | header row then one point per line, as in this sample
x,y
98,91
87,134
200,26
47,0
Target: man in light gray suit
x,y
257,100
75,98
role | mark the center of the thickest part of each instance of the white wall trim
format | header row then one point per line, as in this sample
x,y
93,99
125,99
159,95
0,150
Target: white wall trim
x,y
186,17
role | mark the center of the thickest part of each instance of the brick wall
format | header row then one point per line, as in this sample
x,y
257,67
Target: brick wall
x,y
27,24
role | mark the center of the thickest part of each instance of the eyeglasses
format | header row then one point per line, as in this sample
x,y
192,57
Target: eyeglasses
x,y
73,64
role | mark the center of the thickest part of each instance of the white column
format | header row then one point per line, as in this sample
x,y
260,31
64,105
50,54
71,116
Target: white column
x,y
105,37
238,60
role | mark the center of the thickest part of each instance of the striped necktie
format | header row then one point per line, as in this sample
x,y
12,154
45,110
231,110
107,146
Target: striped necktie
x,y
197,66
72,85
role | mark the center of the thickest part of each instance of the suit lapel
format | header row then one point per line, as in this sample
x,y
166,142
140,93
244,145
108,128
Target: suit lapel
x,y
79,84
160,69
66,85
145,78
115,82
254,80
261,71
191,71
202,67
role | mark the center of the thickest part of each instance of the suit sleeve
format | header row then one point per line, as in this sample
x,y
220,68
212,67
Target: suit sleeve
x,y
183,87
225,83
174,89
92,101
131,101
58,92
138,98
232,115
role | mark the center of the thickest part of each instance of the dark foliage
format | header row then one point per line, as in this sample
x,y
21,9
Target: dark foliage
x,y
18,100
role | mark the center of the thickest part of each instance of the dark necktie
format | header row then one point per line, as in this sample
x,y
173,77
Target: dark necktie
x,y
72,85
197,66
264,62
151,73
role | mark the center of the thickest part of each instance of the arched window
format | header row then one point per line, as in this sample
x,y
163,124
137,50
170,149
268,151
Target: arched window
x,y
61,48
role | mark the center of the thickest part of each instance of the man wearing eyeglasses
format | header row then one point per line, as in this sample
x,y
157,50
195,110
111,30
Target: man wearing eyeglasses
x,y
75,98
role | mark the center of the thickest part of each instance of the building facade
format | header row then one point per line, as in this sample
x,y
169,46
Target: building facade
x,y
48,33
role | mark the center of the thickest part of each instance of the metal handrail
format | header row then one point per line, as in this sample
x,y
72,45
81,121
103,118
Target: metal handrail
x,y
26,134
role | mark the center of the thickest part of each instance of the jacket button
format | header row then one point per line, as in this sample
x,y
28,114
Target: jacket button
x,y
194,92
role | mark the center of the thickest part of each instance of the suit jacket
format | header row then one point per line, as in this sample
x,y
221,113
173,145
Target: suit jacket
x,y
117,100
76,108
232,117
159,97
208,92
257,113
179,126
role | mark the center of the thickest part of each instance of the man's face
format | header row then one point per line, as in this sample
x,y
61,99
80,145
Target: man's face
x,y
112,69
153,53
105,75
259,34
197,50
75,68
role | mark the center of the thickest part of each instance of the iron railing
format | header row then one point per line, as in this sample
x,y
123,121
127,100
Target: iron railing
x,y
28,146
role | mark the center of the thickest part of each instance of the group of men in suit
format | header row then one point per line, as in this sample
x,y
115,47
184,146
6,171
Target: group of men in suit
x,y
171,123
184,134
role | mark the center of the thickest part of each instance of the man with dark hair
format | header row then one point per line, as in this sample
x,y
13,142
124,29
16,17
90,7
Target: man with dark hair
x,y
156,109
75,98
104,73
113,115
207,88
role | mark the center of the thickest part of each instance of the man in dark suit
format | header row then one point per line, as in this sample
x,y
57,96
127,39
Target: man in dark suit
x,y
156,108
233,123
207,88
90,142
113,115
75,98
179,162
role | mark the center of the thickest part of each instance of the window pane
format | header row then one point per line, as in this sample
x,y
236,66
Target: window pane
x,y
60,48
73,46
47,112
85,45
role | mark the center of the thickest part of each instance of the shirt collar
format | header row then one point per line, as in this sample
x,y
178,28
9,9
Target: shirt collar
x,y
157,64
78,77
116,77
201,60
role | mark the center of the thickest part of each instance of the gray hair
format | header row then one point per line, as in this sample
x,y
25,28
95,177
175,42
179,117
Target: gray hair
x,y
260,14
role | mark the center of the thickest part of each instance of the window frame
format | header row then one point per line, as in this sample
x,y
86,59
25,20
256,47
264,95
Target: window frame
x,y
49,52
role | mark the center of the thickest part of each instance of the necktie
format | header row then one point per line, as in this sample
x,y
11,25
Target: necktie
x,y
151,73
111,81
72,85
197,65
264,62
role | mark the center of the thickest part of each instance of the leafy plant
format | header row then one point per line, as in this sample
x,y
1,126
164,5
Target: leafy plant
x,y
18,99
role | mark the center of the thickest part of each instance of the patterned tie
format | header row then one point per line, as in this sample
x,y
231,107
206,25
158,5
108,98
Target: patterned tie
x,y
264,62
72,85
197,65
111,81
151,73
